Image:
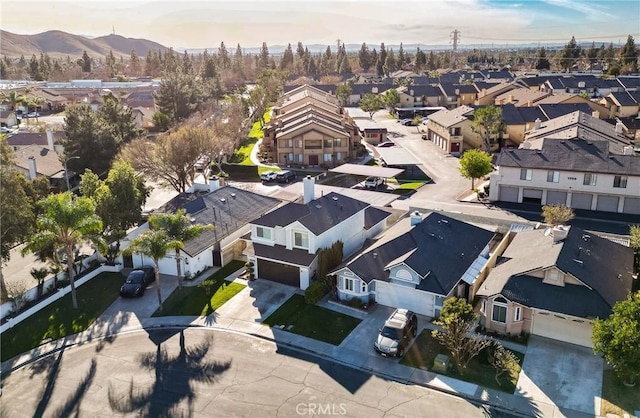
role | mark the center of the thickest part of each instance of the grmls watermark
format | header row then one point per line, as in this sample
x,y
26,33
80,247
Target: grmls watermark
x,y
325,409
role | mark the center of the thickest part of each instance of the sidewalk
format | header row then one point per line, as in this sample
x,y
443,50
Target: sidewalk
x,y
244,314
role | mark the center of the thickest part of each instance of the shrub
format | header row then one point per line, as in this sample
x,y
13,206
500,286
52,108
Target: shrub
x,y
315,292
355,303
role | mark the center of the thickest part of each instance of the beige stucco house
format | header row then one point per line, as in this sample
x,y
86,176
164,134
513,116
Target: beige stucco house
x,y
451,130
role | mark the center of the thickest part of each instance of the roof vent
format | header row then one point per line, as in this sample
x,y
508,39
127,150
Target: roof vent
x,y
319,206
374,254
586,237
233,195
444,221
223,200
334,198
580,262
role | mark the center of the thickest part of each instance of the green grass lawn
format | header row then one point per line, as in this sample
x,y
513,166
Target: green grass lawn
x,y
205,298
312,321
60,319
425,349
410,186
618,398
243,154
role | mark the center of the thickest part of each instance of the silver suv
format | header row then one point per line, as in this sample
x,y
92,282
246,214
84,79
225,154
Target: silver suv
x,y
397,333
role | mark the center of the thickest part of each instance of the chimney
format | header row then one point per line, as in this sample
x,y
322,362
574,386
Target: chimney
x,y
50,139
511,98
308,187
416,218
32,167
627,150
538,124
595,114
560,232
619,127
214,184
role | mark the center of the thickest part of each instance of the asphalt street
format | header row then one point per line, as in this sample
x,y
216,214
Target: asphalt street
x,y
205,373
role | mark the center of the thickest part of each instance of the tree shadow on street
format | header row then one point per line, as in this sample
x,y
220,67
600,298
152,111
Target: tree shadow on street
x,y
72,404
174,376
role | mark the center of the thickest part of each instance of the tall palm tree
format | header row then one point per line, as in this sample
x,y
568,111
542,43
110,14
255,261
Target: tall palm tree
x,y
155,244
179,229
37,102
65,223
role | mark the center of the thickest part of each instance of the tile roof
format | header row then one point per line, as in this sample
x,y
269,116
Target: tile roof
x,y
227,208
317,216
433,248
47,161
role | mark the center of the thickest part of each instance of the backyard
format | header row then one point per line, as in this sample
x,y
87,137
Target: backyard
x,y
312,321
60,319
206,297
425,349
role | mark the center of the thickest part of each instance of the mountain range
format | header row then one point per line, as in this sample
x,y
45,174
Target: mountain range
x,y
58,44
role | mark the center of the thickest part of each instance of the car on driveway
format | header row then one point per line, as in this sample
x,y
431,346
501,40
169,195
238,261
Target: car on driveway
x,y
406,122
386,144
268,176
137,281
286,176
396,335
373,182
5,130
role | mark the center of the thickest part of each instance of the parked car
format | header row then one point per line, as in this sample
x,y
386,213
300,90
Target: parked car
x,y
373,182
32,115
397,333
386,144
5,130
137,281
286,177
268,176
406,122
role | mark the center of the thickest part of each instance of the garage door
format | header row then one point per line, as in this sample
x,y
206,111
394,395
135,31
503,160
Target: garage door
x,y
532,193
632,205
281,273
562,328
508,194
404,297
581,201
556,198
607,203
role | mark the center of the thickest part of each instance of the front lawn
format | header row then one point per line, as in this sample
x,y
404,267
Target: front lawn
x,y
243,154
312,321
618,398
60,319
205,298
425,349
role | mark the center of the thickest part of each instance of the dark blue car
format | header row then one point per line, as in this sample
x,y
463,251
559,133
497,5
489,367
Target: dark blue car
x,y
137,281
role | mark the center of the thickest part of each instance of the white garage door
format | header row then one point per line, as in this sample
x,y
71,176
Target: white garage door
x,y
563,328
404,297
607,203
632,205
555,197
508,194
581,201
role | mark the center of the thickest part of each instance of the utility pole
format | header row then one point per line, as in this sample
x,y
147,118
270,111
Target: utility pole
x,y
455,39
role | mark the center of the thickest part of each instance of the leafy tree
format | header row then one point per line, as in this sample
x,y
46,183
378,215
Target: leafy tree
x,y
179,230
65,223
618,338
475,164
272,81
457,321
343,92
488,123
542,62
223,54
178,95
555,215
286,63
154,244
371,103
391,99
161,121
569,54
118,199
390,63
501,359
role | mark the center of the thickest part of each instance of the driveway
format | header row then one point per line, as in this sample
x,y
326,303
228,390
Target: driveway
x,y
564,374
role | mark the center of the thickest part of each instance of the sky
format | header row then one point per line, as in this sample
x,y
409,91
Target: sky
x,y
194,24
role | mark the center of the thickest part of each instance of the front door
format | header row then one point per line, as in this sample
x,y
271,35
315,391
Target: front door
x,y
455,147
217,258
127,261
313,160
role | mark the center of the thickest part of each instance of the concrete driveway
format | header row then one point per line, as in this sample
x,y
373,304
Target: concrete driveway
x,y
564,374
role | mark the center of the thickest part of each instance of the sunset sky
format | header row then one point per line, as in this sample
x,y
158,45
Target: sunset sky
x,y
203,24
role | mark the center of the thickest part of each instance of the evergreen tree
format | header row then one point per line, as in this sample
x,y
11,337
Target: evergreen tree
x,y
569,54
238,62
432,64
364,57
286,63
134,62
421,59
401,61
629,55
223,55
390,63
542,63
263,61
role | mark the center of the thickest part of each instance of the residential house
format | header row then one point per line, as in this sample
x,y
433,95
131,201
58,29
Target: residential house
x,y
452,130
579,173
143,117
285,242
8,118
554,283
309,128
630,83
631,128
458,94
228,209
487,95
372,132
140,98
622,104
37,161
520,97
418,265
420,96
570,98
358,91
54,101
51,140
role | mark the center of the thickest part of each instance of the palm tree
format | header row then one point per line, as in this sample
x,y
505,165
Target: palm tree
x,y
65,223
37,102
39,274
179,229
14,99
155,244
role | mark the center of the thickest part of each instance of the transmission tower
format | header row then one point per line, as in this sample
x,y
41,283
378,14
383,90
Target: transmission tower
x,y
455,39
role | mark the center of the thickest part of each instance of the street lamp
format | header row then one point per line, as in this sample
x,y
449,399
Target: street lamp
x,y
66,172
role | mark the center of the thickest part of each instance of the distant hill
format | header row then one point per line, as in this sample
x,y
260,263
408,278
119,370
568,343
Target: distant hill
x,y
60,44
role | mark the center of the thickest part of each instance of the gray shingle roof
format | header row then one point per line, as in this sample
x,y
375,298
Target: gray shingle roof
x,y
281,253
373,216
227,208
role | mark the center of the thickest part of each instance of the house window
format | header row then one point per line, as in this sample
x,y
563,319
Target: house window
x,y
337,142
301,239
364,287
289,156
589,179
348,284
553,274
327,143
620,181
298,143
338,156
525,174
300,158
439,300
484,306
553,176
499,312
326,157
263,232
518,314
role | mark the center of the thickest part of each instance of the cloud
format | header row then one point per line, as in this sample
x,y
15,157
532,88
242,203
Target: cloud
x,y
590,9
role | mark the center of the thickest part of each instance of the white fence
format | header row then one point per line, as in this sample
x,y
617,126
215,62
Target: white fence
x,y
6,308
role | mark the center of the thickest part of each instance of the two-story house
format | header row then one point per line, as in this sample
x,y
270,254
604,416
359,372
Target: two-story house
x,y
310,128
579,173
554,283
284,243
451,130
418,266
419,96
